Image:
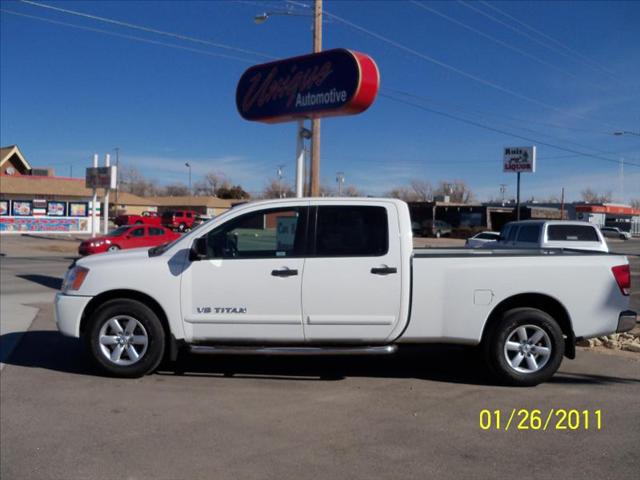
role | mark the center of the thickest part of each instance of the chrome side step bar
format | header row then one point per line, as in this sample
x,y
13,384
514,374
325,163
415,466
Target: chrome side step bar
x,y
292,351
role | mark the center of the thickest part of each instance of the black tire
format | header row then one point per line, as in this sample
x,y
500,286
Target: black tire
x,y
113,248
500,360
139,222
150,357
182,227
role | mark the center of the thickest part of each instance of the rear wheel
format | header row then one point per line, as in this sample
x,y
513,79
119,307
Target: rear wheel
x,y
525,347
125,338
182,227
113,248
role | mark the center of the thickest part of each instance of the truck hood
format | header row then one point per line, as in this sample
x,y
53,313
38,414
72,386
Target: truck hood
x,y
121,256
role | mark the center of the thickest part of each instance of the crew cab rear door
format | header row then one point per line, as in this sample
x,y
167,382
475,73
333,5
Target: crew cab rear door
x,y
351,288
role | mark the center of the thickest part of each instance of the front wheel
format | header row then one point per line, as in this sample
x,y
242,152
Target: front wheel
x,y
182,227
125,338
113,248
525,347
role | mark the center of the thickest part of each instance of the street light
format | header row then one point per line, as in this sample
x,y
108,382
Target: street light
x,y
188,165
314,172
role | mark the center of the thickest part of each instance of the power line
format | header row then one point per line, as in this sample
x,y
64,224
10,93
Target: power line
x,y
149,29
524,34
128,37
505,44
471,76
504,132
501,117
557,42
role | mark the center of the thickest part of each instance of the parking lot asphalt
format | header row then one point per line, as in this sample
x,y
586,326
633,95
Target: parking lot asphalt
x,y
406,416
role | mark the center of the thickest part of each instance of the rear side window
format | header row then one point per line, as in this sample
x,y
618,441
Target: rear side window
x,y
153,231
488,236
572,233
529,233
351,231
138,232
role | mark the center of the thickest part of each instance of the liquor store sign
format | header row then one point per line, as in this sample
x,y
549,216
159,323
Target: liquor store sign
x,y
519,159
330,83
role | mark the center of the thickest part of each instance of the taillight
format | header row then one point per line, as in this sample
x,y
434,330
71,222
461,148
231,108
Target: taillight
x,y
622,274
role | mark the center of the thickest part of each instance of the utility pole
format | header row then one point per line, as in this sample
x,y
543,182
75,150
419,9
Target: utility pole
x,y
315,123
188,165
518,199
622,180
503,190
107,163
94,203
117,149
340,182
562,205
279,172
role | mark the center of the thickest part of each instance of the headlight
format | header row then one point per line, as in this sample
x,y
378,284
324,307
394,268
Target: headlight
x,y
74,278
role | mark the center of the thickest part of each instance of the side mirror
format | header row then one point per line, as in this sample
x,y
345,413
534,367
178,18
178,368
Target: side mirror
x,y
198,249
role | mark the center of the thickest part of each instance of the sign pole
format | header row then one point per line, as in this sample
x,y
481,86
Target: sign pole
x,y
315,123
107,162
94,202
300,159
518,199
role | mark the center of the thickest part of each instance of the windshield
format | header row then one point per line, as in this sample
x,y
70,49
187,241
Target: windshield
x,y
118,231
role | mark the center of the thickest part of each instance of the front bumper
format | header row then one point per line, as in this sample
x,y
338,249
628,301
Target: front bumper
x,y
627,321
68,311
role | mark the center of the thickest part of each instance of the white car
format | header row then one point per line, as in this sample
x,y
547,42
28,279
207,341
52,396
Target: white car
x,y
539,234
482,238
335,276
615,232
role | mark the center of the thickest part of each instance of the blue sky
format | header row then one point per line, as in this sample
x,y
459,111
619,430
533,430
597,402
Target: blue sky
x,y
568,81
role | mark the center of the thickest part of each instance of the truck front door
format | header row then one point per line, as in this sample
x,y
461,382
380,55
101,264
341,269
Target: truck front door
x,y
352,285
249,286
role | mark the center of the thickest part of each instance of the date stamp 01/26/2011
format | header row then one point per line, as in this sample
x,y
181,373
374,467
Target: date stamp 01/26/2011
x,y
535,419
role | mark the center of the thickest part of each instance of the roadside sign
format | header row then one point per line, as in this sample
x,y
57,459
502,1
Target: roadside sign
x,y
101,177
329,83
519,159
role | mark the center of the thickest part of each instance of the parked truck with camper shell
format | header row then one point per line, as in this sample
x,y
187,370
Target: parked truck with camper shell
x,y
338,276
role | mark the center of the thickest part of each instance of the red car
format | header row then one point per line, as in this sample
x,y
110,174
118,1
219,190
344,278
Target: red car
x,y
128,236
148,218
180,220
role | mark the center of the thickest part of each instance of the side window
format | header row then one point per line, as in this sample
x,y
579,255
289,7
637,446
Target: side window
x,y
529,234
511,235
188,214
137,232
154,232
572,233
270,233
351,231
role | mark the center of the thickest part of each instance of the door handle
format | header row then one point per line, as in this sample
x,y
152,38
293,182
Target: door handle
x,y
384,270
284,272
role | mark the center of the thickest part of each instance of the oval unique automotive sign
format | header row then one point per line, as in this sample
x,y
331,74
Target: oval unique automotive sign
x,y
329,83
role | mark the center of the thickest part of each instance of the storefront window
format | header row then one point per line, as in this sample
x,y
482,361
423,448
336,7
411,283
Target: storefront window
x,y
21,208
78,209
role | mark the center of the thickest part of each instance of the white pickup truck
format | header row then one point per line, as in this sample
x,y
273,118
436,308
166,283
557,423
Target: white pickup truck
x,y
338,276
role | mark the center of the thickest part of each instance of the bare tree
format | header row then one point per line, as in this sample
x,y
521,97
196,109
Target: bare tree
x,y
352,191
176,189
132,181
589,195
402,193
211,183
457,190
277,189
635,202
423,191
